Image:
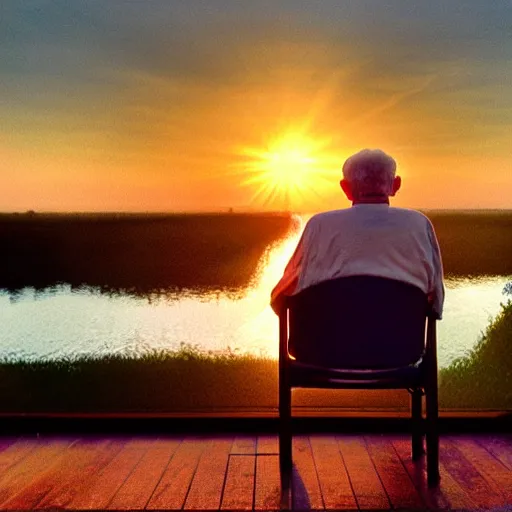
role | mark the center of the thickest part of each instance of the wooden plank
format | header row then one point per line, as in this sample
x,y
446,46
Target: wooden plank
x,y
15,453
498,476
267,494
368,489
6,442
500,446
268,445
101,487
332,473
397,483
208,482
448,495
138,488
239,488
56,487
267,486
468,477
244,445
306,493
29,468
173,487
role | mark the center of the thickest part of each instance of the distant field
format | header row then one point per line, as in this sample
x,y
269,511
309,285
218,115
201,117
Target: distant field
x,y
147,253
135,253
475,243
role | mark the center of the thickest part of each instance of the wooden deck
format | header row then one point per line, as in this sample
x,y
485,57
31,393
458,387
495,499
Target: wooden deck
x,y
229,472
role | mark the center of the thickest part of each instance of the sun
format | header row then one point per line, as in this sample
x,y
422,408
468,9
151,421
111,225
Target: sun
x,y
290,171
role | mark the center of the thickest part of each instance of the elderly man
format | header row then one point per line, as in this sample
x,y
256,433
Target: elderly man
x,y
370,238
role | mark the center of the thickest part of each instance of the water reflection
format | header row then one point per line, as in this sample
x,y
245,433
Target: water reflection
x,y
62,321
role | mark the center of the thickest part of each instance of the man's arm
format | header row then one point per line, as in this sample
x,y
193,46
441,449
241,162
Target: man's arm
x,y
288,283
436,291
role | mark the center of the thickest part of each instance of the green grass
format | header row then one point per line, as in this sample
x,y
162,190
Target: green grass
x,y
483,379
193,380
188,379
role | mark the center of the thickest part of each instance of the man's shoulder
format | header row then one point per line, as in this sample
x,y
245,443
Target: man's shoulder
x,y
404,215
413,217
407,213
318,218
325,218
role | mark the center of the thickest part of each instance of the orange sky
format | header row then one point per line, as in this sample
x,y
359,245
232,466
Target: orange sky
x,y
133,108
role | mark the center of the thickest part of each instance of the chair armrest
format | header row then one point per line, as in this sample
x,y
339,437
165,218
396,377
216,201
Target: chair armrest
x,y
431,313
283,334
431,345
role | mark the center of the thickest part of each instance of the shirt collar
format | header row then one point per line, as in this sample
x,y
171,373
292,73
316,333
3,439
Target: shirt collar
x,y
376,206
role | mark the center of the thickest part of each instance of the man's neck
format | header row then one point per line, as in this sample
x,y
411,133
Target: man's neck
x,y
369,199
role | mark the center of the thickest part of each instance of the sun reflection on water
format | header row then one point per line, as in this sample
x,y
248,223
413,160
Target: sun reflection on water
x,y
261,327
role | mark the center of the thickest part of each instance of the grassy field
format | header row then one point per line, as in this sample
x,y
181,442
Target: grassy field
x,y
193,380
186,381
160,381
474,243
135,253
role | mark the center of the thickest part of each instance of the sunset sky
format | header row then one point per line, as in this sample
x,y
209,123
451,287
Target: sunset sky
x,y
200,105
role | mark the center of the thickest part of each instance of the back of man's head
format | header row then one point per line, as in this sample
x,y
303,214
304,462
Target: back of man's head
x,y
370,173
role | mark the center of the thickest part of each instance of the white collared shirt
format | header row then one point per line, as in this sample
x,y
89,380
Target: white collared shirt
x,y
366,239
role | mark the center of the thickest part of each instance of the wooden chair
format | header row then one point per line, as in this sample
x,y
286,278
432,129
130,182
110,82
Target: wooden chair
x,y
360,332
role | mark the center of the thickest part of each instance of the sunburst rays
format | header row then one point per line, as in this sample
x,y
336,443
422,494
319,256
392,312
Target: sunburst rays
x,y
291,172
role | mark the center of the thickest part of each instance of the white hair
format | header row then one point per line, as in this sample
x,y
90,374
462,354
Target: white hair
x,y
370,172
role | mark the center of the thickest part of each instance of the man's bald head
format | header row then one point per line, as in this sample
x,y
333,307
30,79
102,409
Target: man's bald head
x,y
370,173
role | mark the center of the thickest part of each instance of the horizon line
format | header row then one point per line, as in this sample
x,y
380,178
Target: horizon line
x,y
227,211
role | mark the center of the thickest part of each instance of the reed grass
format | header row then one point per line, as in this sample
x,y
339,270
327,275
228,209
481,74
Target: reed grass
x,y
483,379
157,381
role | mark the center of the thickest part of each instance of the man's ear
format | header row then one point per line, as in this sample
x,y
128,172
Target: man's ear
x,y
347,189
397,182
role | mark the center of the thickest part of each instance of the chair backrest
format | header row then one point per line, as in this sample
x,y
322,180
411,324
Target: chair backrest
x,y
358,322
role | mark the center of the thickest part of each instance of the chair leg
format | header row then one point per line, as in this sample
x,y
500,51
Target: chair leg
x,y
432,436
417,424
285,434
